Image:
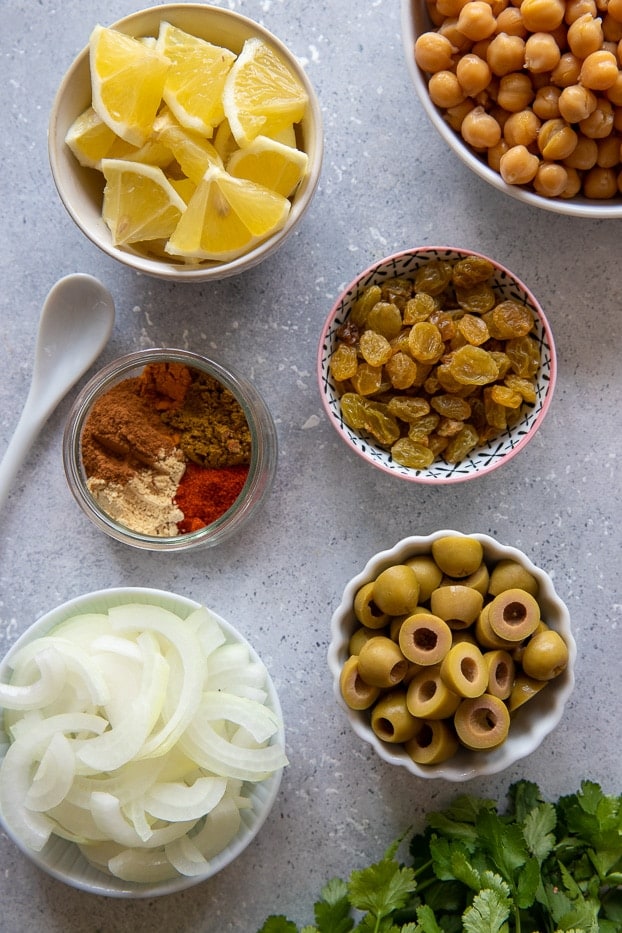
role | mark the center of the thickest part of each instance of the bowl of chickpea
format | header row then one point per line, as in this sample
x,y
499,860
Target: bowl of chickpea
x,y
436,365
452,655
528,95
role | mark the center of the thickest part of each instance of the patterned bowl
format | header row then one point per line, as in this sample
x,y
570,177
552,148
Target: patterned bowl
x,y
490,455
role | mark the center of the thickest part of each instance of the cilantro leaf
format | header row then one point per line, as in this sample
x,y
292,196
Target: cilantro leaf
x,y
278,924
332,913
488,913
504,842
538,826
381,888
524,797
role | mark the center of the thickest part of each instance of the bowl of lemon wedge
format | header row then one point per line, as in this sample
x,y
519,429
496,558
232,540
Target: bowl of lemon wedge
x,y
186,141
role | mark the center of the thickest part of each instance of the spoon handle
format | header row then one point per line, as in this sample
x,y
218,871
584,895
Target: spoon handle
x,y
23,437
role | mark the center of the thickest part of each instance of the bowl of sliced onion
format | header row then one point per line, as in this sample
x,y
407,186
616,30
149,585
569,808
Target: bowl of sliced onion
x,y
142,743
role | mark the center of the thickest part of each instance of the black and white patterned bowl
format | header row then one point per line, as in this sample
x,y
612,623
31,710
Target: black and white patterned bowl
x,y
483,459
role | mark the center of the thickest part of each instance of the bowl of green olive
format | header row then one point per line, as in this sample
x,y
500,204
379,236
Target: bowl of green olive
x,y
452,655
527,98
436,365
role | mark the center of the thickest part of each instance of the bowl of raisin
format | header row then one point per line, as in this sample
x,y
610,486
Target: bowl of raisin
x,y
452,655
526,95
436,365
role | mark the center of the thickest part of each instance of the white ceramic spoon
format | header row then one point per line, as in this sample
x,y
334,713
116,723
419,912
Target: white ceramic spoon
x,y
76,322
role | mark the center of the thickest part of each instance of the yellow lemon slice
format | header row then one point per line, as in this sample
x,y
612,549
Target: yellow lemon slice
x,y
193,152
270,163
140,204
127,81
226,217
195,81
261,96
91,140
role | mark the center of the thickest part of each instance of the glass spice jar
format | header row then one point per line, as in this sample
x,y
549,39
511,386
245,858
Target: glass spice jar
x,y
258,450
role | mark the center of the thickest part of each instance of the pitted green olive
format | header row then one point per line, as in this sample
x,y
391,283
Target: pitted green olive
x,y
396,590
508,574
514,615
424,638
524,689
501,669
391,719
463,670
356,693
484,634
458,605
381,663
429,697
433,742
367,610
429,574
457,555
482,722
545,656
478,580
359,637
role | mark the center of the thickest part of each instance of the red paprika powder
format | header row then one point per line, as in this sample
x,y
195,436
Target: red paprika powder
x,y
205,493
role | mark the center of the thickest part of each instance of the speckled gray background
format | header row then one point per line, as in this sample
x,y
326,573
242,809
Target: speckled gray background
x,y
388,182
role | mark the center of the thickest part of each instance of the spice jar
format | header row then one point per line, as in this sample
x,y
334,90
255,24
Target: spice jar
x,y
167,450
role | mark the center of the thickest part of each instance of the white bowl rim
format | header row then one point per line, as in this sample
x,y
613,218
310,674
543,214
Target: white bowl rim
x,y
575,207
465,765
422,476
99,882
172,271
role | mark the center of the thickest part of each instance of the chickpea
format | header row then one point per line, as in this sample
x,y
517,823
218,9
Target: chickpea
x,y
612,29
546,102
521,129
542,15
585,35
498,6
600,122
510,22
506,54
617,120
518,166
434,52
584,155
614,8
573,184
449,28
577,8
494,154
599,70
614,93
480,130
455,115
515,92
576,103
567,70
600,183
476,20
556,140
550,179
444,89
480,48
542,53
450,8
473,73
608,152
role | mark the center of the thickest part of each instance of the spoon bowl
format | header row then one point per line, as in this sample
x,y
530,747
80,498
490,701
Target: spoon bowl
x,y
76,322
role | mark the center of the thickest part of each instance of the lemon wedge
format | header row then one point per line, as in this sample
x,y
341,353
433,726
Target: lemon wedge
x,y
193,152
140,204
261,96
270,163
226,217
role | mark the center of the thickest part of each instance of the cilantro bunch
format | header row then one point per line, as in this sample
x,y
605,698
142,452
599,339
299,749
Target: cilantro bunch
x,y
539,867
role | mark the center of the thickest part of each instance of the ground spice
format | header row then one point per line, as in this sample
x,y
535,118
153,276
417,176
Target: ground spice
x,y
205,493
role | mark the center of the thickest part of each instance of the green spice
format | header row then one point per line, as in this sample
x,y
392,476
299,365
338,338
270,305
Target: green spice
x,y
539,867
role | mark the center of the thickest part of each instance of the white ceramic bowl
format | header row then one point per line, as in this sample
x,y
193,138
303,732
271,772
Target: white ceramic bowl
x,y
531,723
483,459
415,21
62,859
81,189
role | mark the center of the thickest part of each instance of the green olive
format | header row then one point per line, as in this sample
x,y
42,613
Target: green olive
x,y
508,574
501,669
524,689
478,580
545,655
428,574
359,637
433,742
458,605
429,697
484,634
424,638
396,590
356,693
381,663
391,719
514,615
463,670
366,610
457,555
482,722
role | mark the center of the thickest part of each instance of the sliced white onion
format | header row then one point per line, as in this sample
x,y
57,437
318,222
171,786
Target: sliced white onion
x,y
261,722
40,692
180,802
53,778
109,817
219,829
217,754
142,866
